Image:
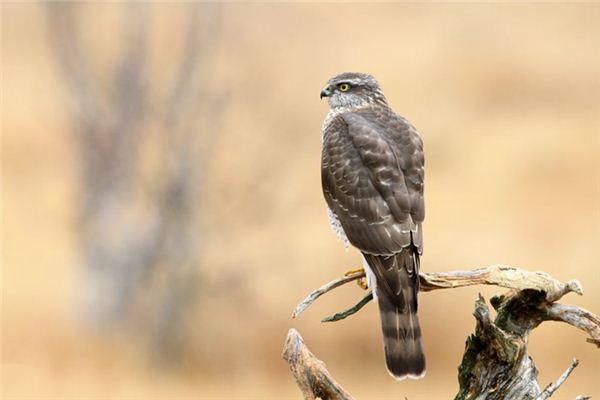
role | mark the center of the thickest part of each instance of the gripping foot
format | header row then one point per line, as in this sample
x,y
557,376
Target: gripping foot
x,y
361,282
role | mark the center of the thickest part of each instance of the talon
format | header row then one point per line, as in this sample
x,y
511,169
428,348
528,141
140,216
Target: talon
x,y
361,282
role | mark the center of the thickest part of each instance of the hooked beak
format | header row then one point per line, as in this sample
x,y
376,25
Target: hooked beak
x,y
325,92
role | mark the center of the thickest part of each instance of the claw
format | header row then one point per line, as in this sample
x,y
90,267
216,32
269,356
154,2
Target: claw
x,y
361,282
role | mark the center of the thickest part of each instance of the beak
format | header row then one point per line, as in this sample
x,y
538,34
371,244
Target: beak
x,y
325,92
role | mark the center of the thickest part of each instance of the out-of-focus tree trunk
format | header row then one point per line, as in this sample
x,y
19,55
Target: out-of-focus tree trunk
x,y
137,231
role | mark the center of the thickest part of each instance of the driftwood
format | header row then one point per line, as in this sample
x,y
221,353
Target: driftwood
x,y
495,363
311,375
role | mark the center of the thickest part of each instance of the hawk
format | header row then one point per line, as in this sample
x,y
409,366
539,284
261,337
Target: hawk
x,y
372,170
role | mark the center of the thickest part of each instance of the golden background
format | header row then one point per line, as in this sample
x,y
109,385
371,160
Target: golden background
x,y
506,98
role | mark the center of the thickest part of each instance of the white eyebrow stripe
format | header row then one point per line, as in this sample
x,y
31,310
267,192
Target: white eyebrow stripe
x,y
349,81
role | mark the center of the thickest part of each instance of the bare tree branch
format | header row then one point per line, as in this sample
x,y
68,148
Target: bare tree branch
x,y
352,310
74,66
324,289
499,275
553,387
577,317
495,364
310,373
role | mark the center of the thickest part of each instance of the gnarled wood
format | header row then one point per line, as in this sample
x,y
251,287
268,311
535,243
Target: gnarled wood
x,y
310,373
553,387
500,275
495,364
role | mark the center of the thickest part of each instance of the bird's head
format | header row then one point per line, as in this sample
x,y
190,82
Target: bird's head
x,y
352,89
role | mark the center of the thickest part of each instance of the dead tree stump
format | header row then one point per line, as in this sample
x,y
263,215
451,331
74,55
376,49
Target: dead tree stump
x,y
495,364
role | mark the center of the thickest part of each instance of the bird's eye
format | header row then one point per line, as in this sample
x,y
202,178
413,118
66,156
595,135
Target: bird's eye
x,y
343,87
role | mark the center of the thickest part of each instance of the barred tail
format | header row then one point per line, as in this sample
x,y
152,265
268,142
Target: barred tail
x,y
404,355
396,288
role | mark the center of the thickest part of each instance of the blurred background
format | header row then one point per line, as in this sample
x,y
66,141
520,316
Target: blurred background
x,y
162,209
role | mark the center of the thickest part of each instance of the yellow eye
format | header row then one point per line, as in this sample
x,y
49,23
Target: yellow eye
x,y
344,87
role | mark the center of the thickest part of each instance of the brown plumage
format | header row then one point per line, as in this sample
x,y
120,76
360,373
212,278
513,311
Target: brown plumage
x,y
372,176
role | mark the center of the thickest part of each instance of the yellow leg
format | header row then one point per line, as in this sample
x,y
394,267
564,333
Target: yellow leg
x,y
361,282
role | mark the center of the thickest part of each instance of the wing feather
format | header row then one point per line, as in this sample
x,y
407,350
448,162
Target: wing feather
x,y
372,176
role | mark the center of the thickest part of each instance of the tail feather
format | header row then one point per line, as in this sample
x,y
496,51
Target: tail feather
x,y
396,288
404,355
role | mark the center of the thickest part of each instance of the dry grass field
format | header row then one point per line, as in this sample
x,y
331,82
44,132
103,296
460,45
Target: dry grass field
x,y
505,96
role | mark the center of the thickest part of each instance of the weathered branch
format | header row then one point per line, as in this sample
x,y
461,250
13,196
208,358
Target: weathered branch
x,y
310,373
352,310
495,363
500,275
553,387
324,289
577,317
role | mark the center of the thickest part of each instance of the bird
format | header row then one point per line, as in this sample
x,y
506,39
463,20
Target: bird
x,y
372,176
